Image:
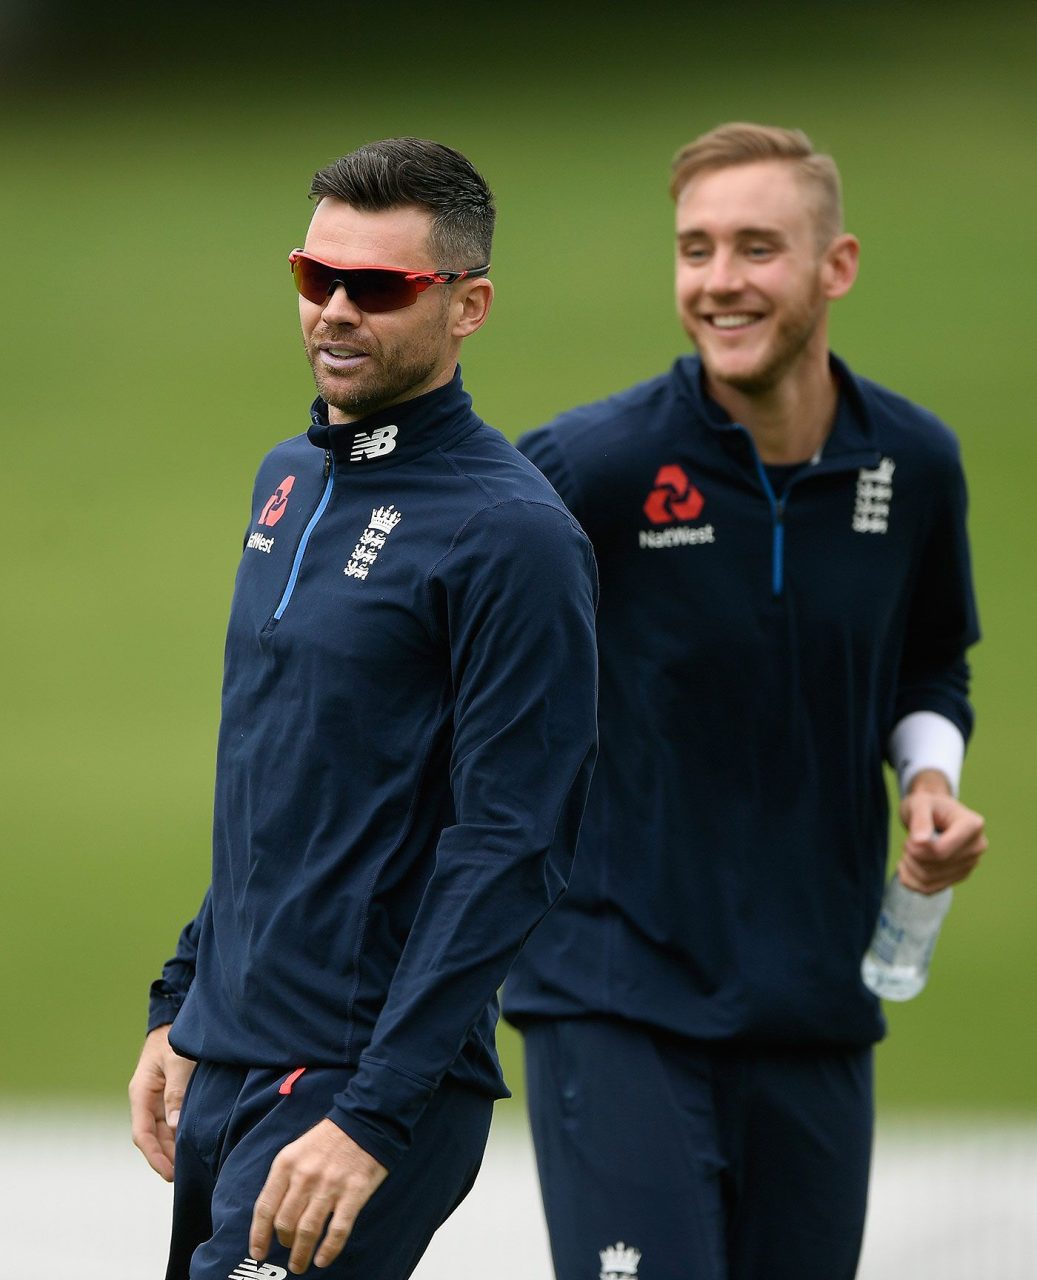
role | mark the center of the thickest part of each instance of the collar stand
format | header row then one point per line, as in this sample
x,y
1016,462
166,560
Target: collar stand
x,y
396,433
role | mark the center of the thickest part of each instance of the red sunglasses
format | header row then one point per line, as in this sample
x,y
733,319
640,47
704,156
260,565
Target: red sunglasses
x,y
369,288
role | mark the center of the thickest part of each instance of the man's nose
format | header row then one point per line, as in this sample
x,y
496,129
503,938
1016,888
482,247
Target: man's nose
x,y
725,273
339,307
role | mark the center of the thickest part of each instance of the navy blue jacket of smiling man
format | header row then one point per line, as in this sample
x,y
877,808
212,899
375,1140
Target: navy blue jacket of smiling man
x,y
406,742
785,599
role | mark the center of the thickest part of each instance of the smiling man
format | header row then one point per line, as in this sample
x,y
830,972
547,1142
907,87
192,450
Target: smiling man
x,y
406,740
785,597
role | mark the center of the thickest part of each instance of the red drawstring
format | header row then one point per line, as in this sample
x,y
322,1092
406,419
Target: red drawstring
x,y
286,1084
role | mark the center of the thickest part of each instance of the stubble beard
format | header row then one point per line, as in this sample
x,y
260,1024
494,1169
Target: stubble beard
x,y
368,390
391,373
793,338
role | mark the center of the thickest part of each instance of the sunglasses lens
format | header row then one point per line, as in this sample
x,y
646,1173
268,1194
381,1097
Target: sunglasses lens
x,y
312,279
380,290
371,291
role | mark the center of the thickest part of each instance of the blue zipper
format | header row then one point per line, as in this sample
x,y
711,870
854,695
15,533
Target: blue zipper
x,y
301,549
778,549
849,462
778,538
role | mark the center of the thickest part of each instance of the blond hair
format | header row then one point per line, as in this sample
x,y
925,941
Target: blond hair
x,y
740,143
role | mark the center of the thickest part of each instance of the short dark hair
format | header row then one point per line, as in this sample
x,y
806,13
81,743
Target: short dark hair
x,y
397,172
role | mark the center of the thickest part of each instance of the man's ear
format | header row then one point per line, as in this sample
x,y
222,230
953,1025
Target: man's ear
x,y
839,269
473,301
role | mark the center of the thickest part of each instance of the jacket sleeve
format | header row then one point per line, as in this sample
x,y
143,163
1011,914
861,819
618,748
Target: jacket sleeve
x,y
515,599
541,447
169,992
942,619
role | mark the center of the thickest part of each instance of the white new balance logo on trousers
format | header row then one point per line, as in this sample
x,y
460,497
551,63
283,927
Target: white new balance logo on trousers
x,y
250,1270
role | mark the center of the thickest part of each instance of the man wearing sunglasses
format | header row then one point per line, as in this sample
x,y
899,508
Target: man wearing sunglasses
x,y
785,597
407,734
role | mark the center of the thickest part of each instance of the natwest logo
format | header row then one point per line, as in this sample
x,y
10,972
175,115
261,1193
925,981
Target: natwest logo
x,y
673,498
276,503
256,542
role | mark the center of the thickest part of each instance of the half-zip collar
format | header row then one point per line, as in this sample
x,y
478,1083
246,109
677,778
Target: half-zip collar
x,y
850,444
396,434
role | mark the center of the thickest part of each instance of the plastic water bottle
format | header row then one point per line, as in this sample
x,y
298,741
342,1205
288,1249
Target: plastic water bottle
x,y
896,964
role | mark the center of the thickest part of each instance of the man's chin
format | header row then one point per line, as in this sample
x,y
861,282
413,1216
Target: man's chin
x,y
353,402
357,396
748,380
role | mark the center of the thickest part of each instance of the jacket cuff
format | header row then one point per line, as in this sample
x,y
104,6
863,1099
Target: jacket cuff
x,y
163,1005
926,740
380,1107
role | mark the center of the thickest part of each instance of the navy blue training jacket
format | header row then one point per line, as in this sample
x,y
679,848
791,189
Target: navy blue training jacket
x,y
406,742
760,634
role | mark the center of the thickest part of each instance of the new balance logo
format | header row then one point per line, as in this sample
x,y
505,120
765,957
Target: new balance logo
x,y
249,1269
874,497
380,442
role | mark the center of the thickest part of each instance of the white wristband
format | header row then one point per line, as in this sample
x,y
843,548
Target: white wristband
x,y
926,740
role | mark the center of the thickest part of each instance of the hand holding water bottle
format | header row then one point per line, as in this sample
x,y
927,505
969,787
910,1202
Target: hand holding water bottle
x,y
945,841
944,838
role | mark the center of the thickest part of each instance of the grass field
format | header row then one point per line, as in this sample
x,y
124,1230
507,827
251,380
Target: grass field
x,y
151,357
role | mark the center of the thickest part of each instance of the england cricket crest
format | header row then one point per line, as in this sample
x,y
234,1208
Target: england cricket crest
x,y
365,553
874,498
619,1262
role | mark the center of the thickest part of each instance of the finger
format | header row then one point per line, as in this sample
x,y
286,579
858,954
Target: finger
x,y
178,1073
158,1155
922,825
916,813
337,1234
922,835
928,872
307,1233
966,856
167,1141
267,1204
964,832
927,881
289,1215
148,1132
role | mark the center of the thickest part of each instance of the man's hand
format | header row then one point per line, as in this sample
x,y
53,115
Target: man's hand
x,y
945,839
324,1174
156,1096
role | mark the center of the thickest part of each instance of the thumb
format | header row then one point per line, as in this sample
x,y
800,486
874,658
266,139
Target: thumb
x,y
173,1100
921,818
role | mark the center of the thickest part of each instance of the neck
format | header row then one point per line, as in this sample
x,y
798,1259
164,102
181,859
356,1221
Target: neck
x,y
788,422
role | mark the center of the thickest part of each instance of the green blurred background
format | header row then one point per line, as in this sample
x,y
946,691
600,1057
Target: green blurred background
x,y
154,174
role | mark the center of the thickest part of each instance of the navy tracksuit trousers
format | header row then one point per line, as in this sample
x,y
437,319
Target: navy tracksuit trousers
x,y
234,1122
669,1159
